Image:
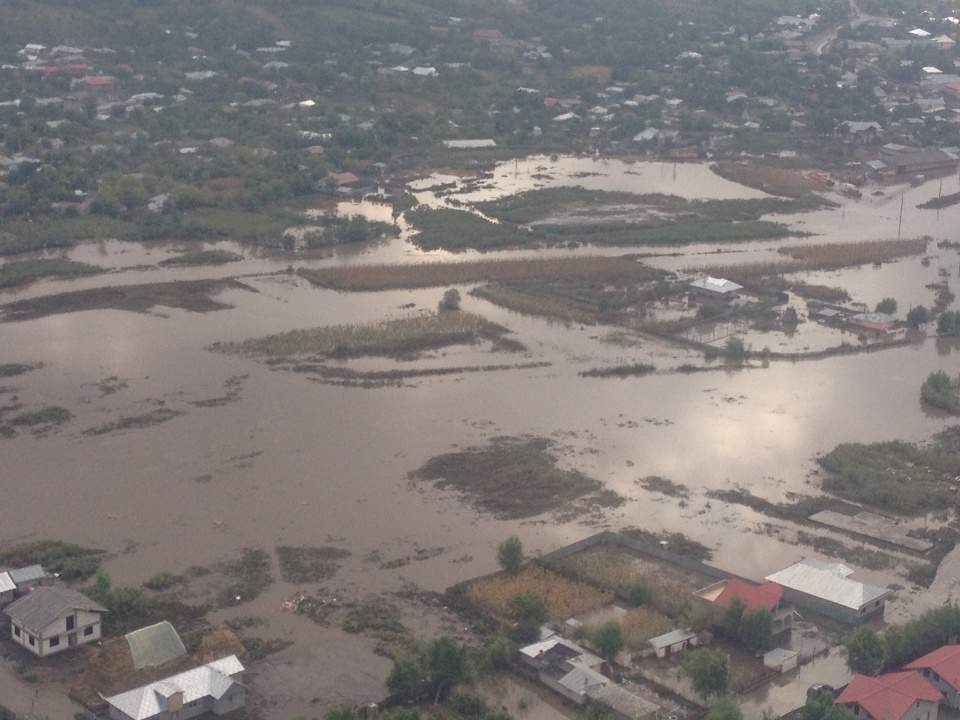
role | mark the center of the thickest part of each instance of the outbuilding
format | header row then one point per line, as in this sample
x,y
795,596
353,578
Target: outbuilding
x,y
828,589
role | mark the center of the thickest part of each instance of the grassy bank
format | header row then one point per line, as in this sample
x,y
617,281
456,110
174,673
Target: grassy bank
x,y
941,391
201,257
389,277
767,178
24,272
390,338
454,230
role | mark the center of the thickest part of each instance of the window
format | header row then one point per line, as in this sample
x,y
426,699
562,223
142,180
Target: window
x,y
16,631
71,622
54,641
87,631
31,640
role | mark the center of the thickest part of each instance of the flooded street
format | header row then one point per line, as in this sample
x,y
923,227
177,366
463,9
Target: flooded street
x,y
288,460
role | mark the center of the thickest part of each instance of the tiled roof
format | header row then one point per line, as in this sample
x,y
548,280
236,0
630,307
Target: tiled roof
x,y
944,661
755,597
889,696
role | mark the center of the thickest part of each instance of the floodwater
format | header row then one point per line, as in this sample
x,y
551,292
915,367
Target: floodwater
x,y
331,463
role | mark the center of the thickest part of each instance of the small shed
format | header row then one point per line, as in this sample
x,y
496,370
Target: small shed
x,y
673,642
30,577
781,660
7,588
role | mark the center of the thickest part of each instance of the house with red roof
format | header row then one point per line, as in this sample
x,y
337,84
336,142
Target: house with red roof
x,y
942,668
767,596
894,696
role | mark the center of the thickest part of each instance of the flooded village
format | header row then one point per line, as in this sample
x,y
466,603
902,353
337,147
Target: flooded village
x,y
610,405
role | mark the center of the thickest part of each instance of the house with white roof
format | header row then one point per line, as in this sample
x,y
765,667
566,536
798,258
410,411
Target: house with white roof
x,y
7,588
827,588
713,288
213,689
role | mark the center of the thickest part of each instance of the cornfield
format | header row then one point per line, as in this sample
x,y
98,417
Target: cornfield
x,y
563,598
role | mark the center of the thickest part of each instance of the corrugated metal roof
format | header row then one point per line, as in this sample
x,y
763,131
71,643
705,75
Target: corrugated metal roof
x,y
155,645
28,574
6,583
717,285
828,581
36,611
671,638
211,680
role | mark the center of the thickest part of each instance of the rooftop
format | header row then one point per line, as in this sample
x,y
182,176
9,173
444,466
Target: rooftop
x,y
36,611
28,574
6,583
154,645
211,680
671,638
754,597
944,661
828,581
717,285
889,696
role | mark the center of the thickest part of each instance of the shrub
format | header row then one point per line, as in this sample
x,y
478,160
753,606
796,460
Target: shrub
x,y
639,594
709,671
940,391
608,639
888,306
529,613
735,348
949,323
510,554
450,302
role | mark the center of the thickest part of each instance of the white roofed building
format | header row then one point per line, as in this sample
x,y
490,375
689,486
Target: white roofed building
x,y
213,689
713,288
827,588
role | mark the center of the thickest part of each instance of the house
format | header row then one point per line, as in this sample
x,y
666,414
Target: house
x,y
828,589
53,619
894,696
345,179
154,645
673,642
942,668
712,288
574,673
478,144
767,596
910,161
859,131
213,688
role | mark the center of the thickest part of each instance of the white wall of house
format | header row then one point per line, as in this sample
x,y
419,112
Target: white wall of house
x,y
952,697
56,638
234,699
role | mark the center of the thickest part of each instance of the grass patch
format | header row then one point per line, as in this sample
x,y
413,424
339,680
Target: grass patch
x,y
24,272
941,391
389,277
564,598
301,564
249,576
642,623
375,617
22,236
163,581
262,228
664,486
194,296
134,422
621,371
512,478
45,417
201,257
14,369
391,338
71,562
896,476
455,230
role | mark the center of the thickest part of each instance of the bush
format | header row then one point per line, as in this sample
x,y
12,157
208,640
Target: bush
x,y
887,306
865,651
735,348
949,323
639,594
940,391
450,301
499,653
510,554
529,613
918,316
790,317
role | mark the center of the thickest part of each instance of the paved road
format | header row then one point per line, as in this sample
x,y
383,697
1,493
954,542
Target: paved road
x,y
819,42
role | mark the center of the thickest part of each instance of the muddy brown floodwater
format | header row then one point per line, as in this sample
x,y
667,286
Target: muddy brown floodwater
x,y
284,460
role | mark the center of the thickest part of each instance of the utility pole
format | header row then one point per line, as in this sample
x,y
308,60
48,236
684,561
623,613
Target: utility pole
x,y
900,222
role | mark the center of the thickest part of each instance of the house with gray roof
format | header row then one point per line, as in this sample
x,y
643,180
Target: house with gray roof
x,y
30,577
213,689
50,620
827,588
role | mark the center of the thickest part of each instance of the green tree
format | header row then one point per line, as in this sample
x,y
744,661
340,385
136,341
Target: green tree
x,y
888,306
790,317
608,639
446,666
918,316
730,624
756,630
949,323
529,613
724,709
406,678
709,671
510,554
865,651
822,707
499,652
735,348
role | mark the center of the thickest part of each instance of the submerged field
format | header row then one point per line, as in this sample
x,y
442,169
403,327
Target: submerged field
x,y
357,508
